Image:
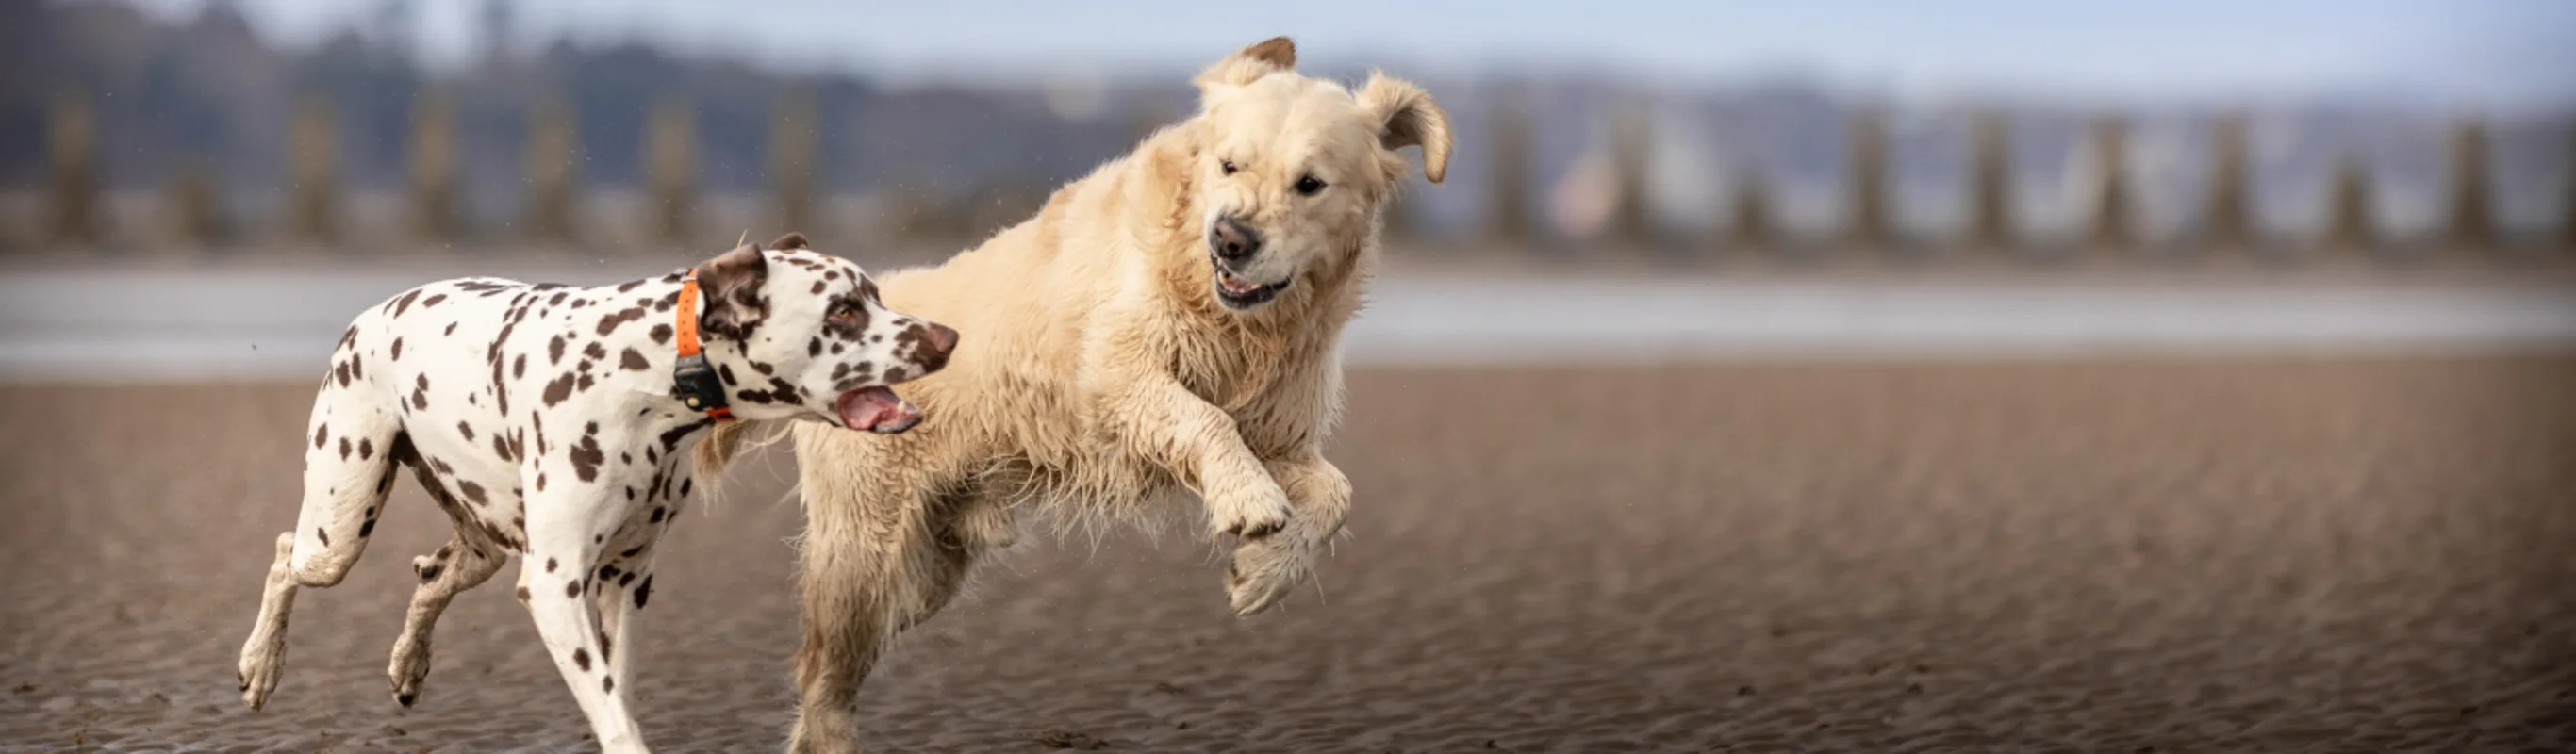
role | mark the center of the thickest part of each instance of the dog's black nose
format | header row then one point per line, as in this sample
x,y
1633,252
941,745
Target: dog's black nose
x,y
1234,241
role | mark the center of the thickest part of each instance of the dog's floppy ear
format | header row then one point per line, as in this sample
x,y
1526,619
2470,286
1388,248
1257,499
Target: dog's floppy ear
x,y
1408,118
731,283
1248,64
789,242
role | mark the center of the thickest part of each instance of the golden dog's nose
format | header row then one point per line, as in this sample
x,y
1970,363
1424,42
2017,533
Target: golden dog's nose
x,y
1233,241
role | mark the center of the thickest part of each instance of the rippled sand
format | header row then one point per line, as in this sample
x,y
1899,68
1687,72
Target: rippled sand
x,y
2253,556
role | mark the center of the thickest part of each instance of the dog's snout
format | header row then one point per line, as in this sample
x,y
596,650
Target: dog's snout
x,y
1234,241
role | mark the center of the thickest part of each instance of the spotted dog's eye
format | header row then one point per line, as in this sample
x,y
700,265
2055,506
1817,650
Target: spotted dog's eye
x,y
843,312
1225,166
1308,185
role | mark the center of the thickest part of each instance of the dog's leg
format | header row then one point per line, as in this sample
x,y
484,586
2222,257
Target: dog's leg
x,y
875,562
455,568
566,527
1267,567
348,472
625,583
1201,446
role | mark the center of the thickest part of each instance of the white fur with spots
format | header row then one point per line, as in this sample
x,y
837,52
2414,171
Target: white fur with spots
x,y
541,418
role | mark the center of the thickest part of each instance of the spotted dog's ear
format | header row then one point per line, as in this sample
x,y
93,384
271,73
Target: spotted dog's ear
x,y
789,242
731,283
1249,64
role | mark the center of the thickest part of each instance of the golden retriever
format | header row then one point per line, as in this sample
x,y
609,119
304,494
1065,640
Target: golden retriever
x,y
1169,322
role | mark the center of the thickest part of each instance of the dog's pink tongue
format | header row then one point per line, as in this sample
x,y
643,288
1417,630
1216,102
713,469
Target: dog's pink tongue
x,y
877,409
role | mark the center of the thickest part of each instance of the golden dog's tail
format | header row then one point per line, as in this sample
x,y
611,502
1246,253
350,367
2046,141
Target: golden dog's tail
x,y
722,444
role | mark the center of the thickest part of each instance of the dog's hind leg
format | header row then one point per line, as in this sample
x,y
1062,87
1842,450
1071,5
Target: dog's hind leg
x,y
878,558
461,565
348,471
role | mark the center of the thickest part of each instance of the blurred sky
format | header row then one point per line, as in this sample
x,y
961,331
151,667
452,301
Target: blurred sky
x,y
2491,53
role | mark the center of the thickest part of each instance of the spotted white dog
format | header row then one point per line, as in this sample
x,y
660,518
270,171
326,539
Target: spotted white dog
x,y
558,423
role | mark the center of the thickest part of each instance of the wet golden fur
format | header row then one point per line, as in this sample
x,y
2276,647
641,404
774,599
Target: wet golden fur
x,y
1098,371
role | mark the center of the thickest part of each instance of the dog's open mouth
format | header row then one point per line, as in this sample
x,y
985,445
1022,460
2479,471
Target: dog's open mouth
x,y
1238,293
876,409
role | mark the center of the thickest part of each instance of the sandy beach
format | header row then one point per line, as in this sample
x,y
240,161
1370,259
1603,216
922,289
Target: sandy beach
x,y
2141,555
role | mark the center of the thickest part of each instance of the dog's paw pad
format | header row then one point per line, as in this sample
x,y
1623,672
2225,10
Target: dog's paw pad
x,y
1263,573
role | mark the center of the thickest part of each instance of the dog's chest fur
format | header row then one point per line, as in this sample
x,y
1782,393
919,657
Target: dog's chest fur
x,y
507,391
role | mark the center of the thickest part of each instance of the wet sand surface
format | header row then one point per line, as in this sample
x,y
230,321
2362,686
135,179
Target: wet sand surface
x,y
2150,555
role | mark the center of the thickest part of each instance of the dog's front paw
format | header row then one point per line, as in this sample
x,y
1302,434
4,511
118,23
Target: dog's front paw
x,y
1264,570
410,667
258,671
1255,511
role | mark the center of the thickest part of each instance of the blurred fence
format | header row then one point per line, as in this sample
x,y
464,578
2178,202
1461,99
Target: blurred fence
x,y
1608,174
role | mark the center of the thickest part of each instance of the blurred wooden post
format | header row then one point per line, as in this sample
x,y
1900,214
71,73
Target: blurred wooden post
x,y
2111,222
433,166
1867,205
1507,211
2567,212
2349,225
554,175
1991,226
198,216
671,154
1750,226
794,150
71,144
1631,141
2472,206
314,144
2228,222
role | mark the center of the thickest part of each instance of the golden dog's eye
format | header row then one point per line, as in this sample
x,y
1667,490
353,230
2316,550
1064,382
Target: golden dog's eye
x,y
843,312
1225,166
1309,185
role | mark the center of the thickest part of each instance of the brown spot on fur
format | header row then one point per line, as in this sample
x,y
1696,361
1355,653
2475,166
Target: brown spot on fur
x,y
523,594
661,333
465,429
586,458
608,324
555,350
398,348
556,392
404,304
321,436
633,361
595,350
473,492
671,438
643,591
580,656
